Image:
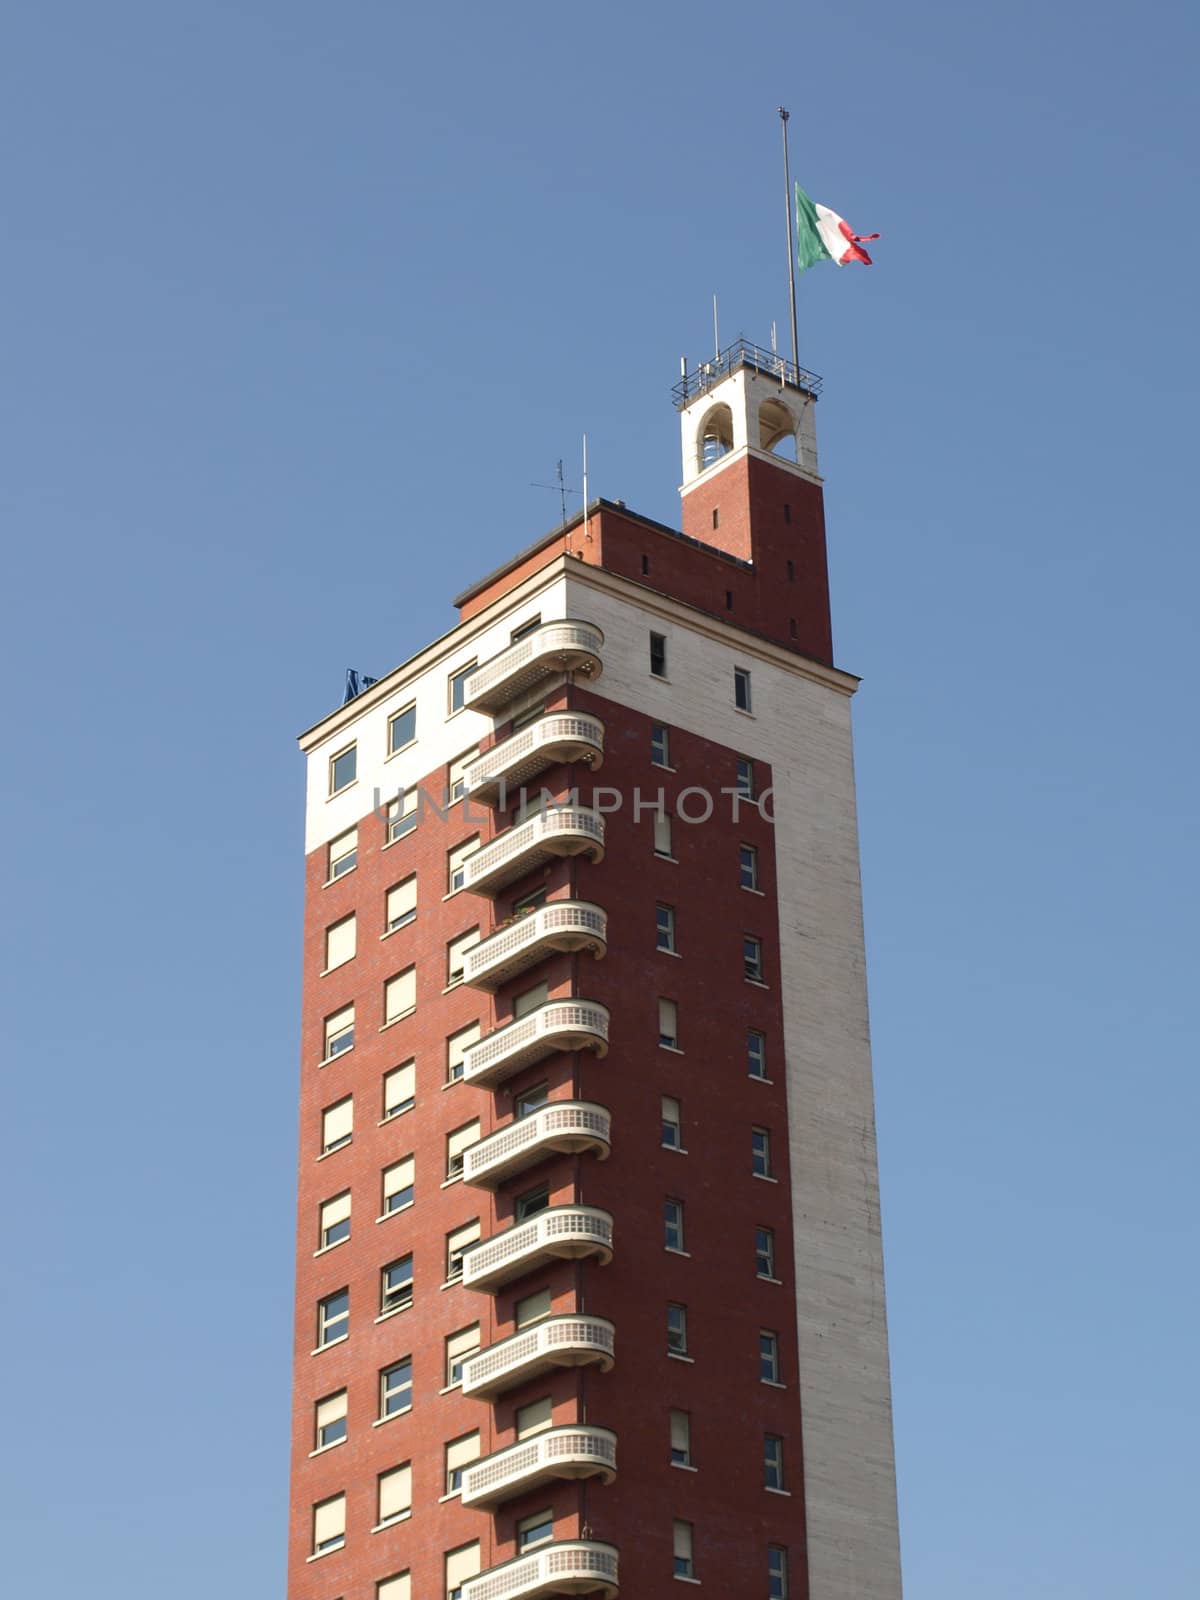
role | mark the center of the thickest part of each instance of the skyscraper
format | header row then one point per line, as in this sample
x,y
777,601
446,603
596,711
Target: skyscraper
x,y
589,1275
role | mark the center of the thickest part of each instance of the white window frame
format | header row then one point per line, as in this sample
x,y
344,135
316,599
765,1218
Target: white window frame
x,y
393,718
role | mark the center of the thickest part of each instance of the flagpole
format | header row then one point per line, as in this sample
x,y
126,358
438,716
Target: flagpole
x,y
791,243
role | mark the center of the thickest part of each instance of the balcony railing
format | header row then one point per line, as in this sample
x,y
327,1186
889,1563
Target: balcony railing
x,y
558,1025
567,1127
557,925
568,1341
552,649
497,776
553,833
568,1233
575,1451
568,1566
743,354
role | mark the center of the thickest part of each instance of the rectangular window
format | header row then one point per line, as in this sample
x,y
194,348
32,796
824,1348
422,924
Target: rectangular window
x,y
335,1220
394,1494
343,854
339,1032
773,1461
531,1202
682,1547
756,1054
764,1252
777,1573
397,1588
459,1454
668,1024
660,745
457,1244
398,1186
395,1388
400,995
343,769
535,1530
677,1339
658,655
673,1224
460,1347
399,1089
662,834
329,1424
530,1000
341,942
401,815
402,728
760,1152
456,775
664,921
530,1100
747,866
337,1125
400,907
536,1417
456,955
329,1524
752,958
768,1356
532,1308
525,629
529,902
741,688
456,863
672,1123
461,1564
396,1285
457,686
457,1046
744,783
681,1439
333,1318
456,1143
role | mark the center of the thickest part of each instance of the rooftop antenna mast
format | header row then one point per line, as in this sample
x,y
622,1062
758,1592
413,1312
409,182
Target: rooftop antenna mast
x,y
560,484
791,248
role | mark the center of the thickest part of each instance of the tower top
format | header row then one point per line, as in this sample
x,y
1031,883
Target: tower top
x,y
746,399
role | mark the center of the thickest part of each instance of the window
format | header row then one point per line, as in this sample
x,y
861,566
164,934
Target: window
x,y
456,863
401,815
456,777
456,1143
397,1588
402,728
339,1032
343,854
768,1356
741,688
525,629
760,1152
398,1186
729,599
744,782
530,1000
672,1130
536,1417
773,1461
343,768
333,1318
531,1202
396,1285
756,1054
456,955
764,1252
461,1564
677,1341
530,1100
400,907
673,1225
457,1046
682,1546
662,834
660,745
658,655
337,1125
535,1530
341,942
533,713
335,1220
329,1424
748,866
395,1388
459,1454
664,918
645,565
777,1567
399,1089
532,1308
681,1439
457,1244
716,517
400,995
394,1494
460,1347
529,902
457,686
668,1024
329,1524
752,958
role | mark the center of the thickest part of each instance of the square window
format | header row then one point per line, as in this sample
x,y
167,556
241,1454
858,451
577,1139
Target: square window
x,y
756,1054
398,1186
664,921
400,905
741,688
395,1388
672,1129
399,1089
529,1000
457,1046
760,1152
333,1318
457,1245
456,863
457,686
660,745
535,1530
393,1494
343,854
773,1461
744,782
536,1417
768,1356
673,1225
668,1024
460,1347
658,655
662,835
532,1308
329,1524
777,1573
531,1203
341,942
396,1285
747,866
330,1419
530,1100
337,1125
343,768
752,958
335,1220
677,1338
401,815
681,1439
457,1143
402,728
459,1455
684,1566
339,1032
764,1252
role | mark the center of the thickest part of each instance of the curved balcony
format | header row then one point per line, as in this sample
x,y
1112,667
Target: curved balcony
x,y
561,1233
564,1127
557,925
558,1025
568,1341
568,1566
547,652
552,834
498,774
575,1451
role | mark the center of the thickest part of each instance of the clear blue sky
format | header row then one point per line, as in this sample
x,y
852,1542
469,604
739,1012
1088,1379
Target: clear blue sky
x,y
298,299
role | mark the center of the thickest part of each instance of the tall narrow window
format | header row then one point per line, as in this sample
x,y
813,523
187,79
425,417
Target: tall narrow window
x,y
341,942
662,834
396,1286
402,728
773,1461
764,1252
458,1141
394,1495
457,1245
457,1046
760,1152
460,1347
330,1420
747,866
400,995
456,777
681,1439
752,958
457,687
672,1123
673,1225
337,1125
664,923
668,1024
456,863
660,745
400,907
333,1318
401,815
461,1564
459,1455
395,1388
339,1032
768,1356
681,1540
329,1525
658,655
398,1186
335,1220
343,854
399,1089
744,782
677,1336
343,768
777,1573
535,1417
741,688
756,1054
456,955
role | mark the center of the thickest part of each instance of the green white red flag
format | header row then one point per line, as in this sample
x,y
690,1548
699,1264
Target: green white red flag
x,y
821,235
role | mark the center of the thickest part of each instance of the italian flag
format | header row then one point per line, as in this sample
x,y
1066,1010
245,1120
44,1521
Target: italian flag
x,y
821,235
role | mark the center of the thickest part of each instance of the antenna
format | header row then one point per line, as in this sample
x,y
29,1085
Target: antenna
x,y
791,244
716,335
586,534
561,486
